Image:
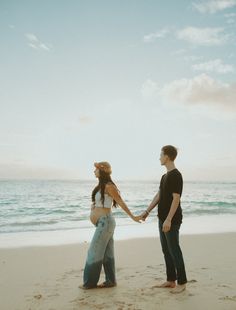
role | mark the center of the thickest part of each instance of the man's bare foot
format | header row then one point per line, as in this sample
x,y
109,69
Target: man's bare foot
x,y
170,284
178,289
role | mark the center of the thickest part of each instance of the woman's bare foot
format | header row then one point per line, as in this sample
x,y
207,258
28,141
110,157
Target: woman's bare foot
x,y
82,287
178,289
167,284
105,285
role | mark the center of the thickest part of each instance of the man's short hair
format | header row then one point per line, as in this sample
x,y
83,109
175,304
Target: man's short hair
x,y
170,151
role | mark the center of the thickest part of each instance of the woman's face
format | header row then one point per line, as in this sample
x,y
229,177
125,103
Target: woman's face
x,y
96,172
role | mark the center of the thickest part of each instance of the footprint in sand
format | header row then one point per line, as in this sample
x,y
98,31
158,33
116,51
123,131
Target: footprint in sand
x,y
120,304
192,281
83,303
70,272
232,298
101,306
223,285
53,295
39,296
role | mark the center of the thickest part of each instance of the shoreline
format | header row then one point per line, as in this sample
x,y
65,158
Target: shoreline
x,y
48,277
134,239
197,225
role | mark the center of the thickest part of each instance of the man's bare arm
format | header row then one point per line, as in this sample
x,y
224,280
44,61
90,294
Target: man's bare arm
x,y
174,205
154,202
152,205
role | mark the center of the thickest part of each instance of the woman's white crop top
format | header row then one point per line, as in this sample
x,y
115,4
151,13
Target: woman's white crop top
x,y
108,200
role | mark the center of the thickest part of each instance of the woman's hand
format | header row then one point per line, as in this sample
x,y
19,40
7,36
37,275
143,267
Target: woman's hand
x,y
137,218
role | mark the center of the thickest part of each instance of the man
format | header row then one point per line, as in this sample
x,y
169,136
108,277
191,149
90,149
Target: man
x,y
170,219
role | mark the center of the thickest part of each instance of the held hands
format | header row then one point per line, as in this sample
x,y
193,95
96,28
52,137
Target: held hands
x,y
166,225
144,215
141,217
137,218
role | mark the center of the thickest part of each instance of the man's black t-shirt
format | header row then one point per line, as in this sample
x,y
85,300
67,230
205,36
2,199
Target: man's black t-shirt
x,y
171,182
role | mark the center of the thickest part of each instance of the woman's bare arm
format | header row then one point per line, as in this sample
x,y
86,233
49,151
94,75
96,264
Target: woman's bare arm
x,y
113,192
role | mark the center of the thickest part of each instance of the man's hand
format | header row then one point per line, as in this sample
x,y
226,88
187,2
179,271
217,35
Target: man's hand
x,y
166,225
144,215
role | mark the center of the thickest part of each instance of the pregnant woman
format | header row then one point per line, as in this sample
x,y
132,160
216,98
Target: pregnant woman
x,y
101,251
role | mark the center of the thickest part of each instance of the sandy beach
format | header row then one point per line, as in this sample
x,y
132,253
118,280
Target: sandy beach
x,y
48,277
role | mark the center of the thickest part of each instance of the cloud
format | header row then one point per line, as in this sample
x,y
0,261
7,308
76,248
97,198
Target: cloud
x,y
200,90
35,43
84,119
230,15
21,169
230,18
151,37
215,65
213,6
179,52
192,57
203,36
150,89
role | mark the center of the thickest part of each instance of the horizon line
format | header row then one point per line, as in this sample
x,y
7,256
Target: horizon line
x,y
118,180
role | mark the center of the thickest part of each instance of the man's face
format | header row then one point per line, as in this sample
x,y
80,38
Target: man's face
x,y
163,158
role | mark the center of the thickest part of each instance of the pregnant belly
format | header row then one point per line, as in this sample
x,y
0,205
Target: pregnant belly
x,y
96,213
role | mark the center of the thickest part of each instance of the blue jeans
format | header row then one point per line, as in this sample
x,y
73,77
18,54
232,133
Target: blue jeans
x,y
101,253
175,268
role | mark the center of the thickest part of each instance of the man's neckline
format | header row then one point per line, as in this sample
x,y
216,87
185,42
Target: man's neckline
x,y
171,170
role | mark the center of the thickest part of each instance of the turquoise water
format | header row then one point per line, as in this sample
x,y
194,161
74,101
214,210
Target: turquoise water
x,y
37,205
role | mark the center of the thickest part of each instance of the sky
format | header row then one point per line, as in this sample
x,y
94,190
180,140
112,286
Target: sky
x,y
89,81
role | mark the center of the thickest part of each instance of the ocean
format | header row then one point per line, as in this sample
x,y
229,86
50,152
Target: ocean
x,y
33,212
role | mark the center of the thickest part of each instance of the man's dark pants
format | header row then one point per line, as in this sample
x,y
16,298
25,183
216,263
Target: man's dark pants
x,y
175,269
